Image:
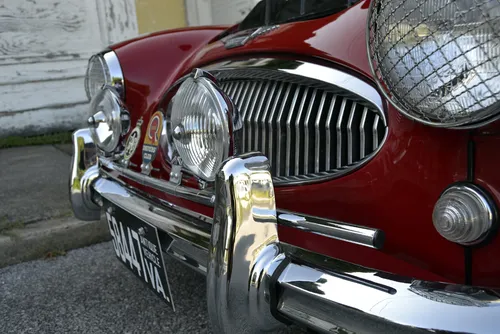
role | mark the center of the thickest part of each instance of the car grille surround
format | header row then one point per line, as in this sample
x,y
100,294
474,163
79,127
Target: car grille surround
x,y
310,130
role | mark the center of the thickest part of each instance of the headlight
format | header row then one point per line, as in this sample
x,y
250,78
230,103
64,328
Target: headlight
x,y
200,126
438,60
109,120
104,69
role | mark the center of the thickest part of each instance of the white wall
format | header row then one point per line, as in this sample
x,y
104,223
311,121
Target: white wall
x,y
203,12
44,49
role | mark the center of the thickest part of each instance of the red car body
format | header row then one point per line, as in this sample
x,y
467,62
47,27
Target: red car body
x,y
395,192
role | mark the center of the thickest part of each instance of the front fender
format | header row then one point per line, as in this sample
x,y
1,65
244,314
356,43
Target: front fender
x,y
151,63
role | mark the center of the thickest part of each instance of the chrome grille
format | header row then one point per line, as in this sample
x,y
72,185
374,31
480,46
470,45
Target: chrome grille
x,y
308,129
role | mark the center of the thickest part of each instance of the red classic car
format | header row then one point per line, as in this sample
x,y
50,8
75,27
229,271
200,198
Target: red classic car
x,y
332,164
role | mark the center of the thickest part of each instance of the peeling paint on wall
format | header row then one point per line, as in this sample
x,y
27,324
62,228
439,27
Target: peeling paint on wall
x,y
44,49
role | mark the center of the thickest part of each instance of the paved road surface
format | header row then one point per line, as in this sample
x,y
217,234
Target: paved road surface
x,y
90,291
34,183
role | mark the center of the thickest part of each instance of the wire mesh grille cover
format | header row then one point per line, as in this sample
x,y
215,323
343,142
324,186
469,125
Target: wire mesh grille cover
x,y
307,130
438,61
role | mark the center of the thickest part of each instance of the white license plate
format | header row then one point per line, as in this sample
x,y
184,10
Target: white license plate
x,y
137,246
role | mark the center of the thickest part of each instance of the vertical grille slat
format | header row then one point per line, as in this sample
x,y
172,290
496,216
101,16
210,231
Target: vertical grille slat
x,y
305,131
270,124
250,113
289,132
350,134
278,123
297,131
255,119
232,88
264,117
244,112
328,133
317,125
362,143
237,92
375,132
338,129
249,118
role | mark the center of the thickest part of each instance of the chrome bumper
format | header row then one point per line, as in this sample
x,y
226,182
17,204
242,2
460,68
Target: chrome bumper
x,y
255,283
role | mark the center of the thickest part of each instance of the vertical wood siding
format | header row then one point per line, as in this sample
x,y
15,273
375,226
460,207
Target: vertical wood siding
x,y
44,49
231,11
206,12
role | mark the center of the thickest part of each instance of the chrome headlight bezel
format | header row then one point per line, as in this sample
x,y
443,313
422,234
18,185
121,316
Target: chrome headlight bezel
x,y
104,69
225,107
449,112
108,120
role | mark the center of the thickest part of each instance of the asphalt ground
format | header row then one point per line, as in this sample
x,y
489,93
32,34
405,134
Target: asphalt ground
x,y
34,184
90,291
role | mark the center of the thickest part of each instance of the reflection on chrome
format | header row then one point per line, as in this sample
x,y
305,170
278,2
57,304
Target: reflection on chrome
x,y
83,172
244,250
454,294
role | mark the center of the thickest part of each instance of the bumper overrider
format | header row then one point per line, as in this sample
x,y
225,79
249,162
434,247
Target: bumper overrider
x,y
255,283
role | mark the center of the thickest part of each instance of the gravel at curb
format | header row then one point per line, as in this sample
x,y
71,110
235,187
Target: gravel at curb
x,y
40,239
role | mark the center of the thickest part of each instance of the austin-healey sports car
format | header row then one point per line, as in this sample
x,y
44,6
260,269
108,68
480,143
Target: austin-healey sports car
x,y
332,164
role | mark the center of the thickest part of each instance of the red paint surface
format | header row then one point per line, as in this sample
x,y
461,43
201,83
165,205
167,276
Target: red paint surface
x,y
485,259
150,64
395,192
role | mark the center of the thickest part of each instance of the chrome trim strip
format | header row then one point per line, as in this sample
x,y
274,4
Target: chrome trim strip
x,y
355,234
308,70
115,72
204,197
187,227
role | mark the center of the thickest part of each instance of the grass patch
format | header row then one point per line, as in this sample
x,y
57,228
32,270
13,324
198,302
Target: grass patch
x,y
48,139
8,229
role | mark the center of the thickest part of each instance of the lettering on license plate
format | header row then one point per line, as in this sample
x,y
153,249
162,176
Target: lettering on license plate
x,y
140,254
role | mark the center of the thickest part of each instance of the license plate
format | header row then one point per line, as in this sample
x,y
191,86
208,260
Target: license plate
x,y
137,246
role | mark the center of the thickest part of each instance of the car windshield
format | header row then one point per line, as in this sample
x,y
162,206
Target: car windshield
x,y
268,12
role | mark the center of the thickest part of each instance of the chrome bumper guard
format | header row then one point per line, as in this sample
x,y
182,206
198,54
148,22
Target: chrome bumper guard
x,y
256,284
